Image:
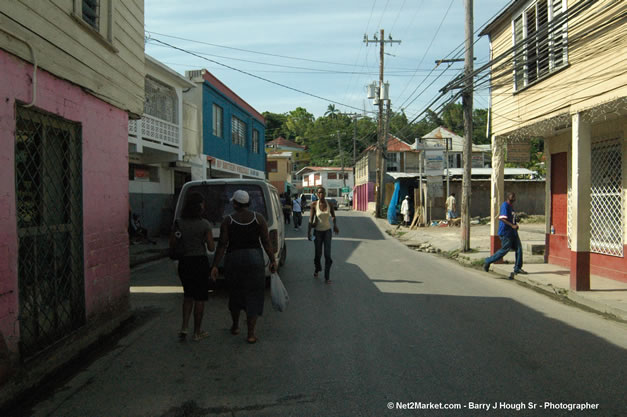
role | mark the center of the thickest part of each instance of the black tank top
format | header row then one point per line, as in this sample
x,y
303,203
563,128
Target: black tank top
x,y
244,235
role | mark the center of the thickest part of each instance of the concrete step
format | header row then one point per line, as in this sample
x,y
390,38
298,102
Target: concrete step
x,y
534,247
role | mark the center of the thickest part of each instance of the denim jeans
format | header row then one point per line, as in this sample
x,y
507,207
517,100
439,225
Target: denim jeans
x,y
298,219
509,242
323,238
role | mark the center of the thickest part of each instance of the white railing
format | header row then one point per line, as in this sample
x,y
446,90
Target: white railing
x,y
155,130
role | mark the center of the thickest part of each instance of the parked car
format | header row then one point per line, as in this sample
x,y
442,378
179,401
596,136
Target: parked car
x,y
333,202
264,199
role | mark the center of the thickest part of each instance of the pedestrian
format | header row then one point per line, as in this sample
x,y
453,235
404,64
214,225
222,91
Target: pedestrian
x,y
451,207
320,216
297,210
303,202
508,233
405,210
287,207
244,266
196,239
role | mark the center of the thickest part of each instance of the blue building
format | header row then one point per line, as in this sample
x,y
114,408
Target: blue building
x,y
232,132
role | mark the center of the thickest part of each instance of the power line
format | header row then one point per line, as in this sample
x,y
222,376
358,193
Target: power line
x,y
256,76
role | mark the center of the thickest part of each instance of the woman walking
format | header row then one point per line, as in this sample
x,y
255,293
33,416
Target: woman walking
x,y
240,237
193,267
320,216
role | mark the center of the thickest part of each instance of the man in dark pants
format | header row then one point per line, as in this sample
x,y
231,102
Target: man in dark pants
x,y
508,233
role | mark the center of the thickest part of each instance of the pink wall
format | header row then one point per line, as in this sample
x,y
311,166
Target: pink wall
x,y
363,194
105,190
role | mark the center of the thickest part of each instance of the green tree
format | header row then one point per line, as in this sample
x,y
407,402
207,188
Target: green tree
x,y
298,122
275,125
331,112
479,124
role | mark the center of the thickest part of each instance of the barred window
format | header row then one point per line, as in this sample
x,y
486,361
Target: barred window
x,y
217,121
255,141
161,101
539,33
606,202
238,132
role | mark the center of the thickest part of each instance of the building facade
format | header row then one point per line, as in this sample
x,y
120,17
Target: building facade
x,y
233,132
299,156
558,73
157,169
338,183
279,171
68,95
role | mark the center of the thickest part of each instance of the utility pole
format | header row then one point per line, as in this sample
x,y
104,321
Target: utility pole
x,y
339,145
467,106
381,140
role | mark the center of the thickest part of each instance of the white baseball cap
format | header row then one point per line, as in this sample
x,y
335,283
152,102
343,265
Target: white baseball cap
x,y
241,197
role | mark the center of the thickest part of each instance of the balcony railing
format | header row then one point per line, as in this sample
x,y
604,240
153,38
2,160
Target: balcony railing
x,y
155,130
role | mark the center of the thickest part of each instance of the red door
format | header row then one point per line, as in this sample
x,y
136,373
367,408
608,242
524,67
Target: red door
x,y
559,193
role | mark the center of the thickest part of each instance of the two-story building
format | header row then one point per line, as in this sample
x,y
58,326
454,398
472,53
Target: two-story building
x,y
399,157
157,169
279,171
299,156
338,183
558,72
453,145
232,131
72,77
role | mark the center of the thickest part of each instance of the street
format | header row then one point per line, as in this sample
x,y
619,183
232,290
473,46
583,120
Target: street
x,y
397,332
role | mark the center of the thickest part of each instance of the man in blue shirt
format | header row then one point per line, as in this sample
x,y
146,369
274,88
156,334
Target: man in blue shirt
x,y
508,232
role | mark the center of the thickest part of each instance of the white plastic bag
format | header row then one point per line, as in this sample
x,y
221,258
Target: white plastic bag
x,y
280,298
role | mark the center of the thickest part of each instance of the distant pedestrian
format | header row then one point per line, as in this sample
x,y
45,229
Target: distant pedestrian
x,y
297,210
451,207
244,266
303,202
320,217
287,207
508,233
193,268
405,210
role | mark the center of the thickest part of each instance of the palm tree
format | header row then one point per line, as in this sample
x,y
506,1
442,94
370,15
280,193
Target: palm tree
x,y
331,112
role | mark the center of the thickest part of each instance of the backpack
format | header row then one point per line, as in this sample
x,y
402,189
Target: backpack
x,y
177,249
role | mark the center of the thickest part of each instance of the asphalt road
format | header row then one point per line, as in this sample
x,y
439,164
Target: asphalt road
x,y
397,327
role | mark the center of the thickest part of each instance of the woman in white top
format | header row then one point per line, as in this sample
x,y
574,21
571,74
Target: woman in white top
x,y
320,216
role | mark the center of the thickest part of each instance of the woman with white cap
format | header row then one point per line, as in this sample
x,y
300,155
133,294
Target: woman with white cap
x,y
242,235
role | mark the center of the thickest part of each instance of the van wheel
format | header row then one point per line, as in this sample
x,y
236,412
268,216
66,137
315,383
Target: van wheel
x,y
283,255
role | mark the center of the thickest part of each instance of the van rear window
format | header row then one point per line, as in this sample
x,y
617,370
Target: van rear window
x,y
218,200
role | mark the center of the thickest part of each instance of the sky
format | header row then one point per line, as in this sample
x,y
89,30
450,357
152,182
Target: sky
x,y
278,55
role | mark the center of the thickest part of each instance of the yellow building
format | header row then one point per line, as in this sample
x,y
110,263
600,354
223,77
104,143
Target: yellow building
x,y
299,156
279,171
559,72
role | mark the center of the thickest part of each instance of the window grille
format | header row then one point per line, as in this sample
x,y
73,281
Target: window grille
x,y
48,176
238,131
217,121
539,41
161,101
255,141
91,12
606,211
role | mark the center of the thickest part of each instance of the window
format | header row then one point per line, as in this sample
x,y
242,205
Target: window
x,y
331,176
272,166
90,12
539,34
217,121
238,132
255,141
161,101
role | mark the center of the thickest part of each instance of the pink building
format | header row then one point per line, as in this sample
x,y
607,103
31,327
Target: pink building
x,y
64,267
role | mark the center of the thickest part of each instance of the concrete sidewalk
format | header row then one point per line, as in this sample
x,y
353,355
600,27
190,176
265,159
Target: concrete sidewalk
x,y
606,296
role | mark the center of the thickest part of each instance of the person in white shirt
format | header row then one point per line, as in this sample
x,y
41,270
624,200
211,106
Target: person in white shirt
x,y
451,207
405,211
297,211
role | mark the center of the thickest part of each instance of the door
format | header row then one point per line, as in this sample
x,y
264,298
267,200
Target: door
x,y
48,176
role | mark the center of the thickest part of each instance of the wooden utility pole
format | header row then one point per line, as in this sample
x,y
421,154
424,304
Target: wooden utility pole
x,y
381,140
467,106
339,145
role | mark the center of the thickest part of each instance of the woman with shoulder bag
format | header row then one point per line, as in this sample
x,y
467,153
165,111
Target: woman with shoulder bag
x,y
196,238
242,235
320,216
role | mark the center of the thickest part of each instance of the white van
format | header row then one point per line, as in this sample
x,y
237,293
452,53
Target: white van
x,y
264,199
